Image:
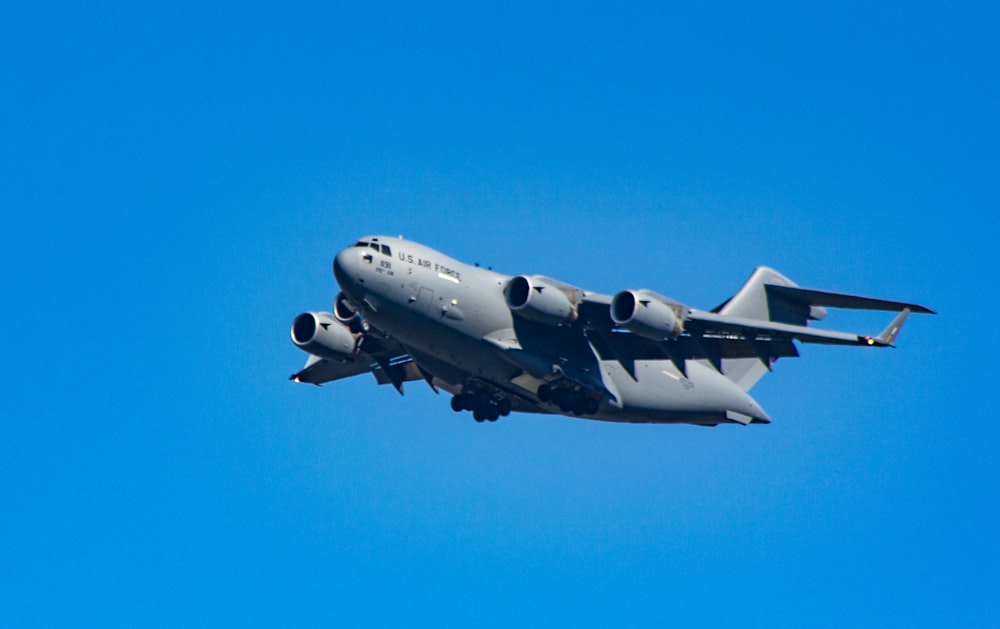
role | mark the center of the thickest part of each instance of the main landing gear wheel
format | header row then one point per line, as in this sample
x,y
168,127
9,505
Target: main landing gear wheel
x,y
484,407
544,393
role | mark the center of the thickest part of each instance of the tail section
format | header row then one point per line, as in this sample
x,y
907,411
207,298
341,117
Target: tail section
x,y
770,296
761,297
753,302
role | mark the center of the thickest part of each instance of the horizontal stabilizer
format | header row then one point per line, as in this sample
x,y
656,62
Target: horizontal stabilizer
x,y
813,297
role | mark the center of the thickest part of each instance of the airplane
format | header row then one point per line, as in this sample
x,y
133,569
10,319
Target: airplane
x,y
531,344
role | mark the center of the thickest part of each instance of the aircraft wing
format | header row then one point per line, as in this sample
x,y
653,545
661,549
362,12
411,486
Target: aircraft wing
x,y
708,324
386,359
319,370
713,337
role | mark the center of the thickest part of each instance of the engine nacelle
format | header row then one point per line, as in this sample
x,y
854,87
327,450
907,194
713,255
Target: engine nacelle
x,y
536,299
647,314
342,309
321,334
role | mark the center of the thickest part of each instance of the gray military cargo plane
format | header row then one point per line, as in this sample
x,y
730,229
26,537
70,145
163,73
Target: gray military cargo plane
x,y
532,344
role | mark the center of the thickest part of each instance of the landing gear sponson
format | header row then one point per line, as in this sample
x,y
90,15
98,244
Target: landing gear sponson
x,y
569,399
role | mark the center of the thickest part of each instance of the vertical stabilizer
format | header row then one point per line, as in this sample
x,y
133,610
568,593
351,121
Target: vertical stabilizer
x,y
754,301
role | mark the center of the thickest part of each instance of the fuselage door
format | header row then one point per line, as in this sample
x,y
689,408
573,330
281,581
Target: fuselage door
x,y
424,299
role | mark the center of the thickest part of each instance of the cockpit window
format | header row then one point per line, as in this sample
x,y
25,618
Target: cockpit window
x,y
374,245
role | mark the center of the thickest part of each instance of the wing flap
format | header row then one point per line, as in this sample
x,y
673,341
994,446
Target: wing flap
x,y
399,371
755,329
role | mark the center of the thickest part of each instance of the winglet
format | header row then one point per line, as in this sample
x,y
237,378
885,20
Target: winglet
x,y
888,335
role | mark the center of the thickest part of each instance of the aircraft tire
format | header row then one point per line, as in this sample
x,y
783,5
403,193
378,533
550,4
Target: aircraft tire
x,y
559,397
479,399
457,404
591,406
504,406
544,393
478,415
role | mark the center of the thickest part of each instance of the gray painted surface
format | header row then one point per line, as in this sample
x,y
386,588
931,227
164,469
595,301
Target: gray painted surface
x,y
533,344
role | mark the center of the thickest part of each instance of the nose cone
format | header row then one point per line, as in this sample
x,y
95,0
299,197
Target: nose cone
x,y
344,267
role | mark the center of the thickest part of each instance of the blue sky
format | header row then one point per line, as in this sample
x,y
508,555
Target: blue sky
x,y
176,181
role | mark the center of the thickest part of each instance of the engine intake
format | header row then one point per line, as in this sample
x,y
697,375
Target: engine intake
x,y
321,334
647,314
343,310
538,300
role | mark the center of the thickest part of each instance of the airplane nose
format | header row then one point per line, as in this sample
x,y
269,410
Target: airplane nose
x,y
342,267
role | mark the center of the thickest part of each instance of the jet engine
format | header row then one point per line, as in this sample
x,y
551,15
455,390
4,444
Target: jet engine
x,y
647,314
321,334
343,310
538,300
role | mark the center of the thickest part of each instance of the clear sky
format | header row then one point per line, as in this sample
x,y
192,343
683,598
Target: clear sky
x,y
175,179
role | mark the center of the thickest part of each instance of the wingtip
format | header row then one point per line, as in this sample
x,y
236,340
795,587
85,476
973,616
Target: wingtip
x,y
888,336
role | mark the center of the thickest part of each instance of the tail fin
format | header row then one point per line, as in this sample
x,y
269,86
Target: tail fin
x,y
770,296
755,301
758,299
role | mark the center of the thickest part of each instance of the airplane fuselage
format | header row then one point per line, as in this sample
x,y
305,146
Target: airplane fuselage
x,y
455,321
